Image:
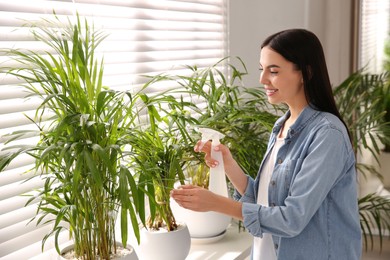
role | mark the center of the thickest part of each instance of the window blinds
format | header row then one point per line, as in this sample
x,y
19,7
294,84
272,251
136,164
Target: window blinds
x,y
374,29
145,37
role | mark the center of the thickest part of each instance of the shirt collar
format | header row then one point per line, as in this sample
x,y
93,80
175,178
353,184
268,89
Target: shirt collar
x,y
307,115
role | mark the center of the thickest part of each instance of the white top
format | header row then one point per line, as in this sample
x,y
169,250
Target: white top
x,y
263,248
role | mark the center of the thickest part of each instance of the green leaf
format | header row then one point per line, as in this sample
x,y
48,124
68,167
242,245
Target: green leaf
x,y
97,178
124,226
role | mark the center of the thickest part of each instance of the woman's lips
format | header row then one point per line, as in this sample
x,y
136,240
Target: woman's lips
x,y
270,92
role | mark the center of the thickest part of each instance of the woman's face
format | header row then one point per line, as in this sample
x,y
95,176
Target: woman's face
x,y
283,83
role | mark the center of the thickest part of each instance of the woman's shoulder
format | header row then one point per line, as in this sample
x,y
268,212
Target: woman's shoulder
x,y
330,120
312,115
330,123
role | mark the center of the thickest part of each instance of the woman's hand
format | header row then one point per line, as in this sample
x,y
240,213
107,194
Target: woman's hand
x,y
194,198
232,170
199,199
206,148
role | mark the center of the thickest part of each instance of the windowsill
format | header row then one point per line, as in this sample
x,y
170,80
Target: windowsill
x,y
234,244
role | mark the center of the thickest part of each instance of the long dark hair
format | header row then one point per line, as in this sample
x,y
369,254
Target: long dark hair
x,y
304,50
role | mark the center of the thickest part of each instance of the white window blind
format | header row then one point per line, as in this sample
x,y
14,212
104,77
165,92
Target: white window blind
x,y
374,29
146,37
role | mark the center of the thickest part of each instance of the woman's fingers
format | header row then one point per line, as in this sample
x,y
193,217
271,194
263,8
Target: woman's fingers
x,y
189,197
205,148
187,186
202,146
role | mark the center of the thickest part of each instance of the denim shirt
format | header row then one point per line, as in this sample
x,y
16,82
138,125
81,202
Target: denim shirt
x,y
313,212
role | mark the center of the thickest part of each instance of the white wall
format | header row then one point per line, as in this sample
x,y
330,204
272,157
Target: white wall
x,y
251,21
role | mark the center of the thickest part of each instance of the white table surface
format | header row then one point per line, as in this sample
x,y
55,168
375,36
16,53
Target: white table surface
x,y
234,245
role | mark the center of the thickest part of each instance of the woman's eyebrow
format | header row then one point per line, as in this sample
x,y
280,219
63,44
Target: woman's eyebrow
x,y
270,66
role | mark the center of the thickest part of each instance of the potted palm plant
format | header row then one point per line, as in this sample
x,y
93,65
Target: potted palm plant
x,y
80,149
159,145
360,101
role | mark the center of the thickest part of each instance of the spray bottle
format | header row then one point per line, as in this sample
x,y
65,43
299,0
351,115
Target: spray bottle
x,y
217,179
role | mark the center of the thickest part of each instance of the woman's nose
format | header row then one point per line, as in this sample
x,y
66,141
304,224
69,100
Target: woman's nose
x,y
262,79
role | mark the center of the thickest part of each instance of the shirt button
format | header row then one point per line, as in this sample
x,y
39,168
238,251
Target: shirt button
x,y
276,246
273,183
272,204
280,161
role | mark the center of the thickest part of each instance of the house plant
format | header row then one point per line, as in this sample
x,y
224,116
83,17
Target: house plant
x,y
359,99
159,145
79,153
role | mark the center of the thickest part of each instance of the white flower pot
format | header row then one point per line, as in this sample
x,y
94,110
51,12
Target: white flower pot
x,y
201,224
164,245
128,254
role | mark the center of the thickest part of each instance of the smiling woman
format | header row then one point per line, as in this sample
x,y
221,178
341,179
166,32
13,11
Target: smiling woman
x,y
144,38
308,176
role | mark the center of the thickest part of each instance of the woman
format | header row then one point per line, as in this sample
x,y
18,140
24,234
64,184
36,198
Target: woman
x,y
303,203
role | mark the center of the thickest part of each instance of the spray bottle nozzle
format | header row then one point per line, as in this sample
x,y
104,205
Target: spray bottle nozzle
x,y
210,134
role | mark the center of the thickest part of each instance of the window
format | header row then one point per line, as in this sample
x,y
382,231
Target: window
x,y
145,37
374,30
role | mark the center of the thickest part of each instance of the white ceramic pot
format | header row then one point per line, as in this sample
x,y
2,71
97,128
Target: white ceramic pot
x,y
128,254
164,245
201,224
